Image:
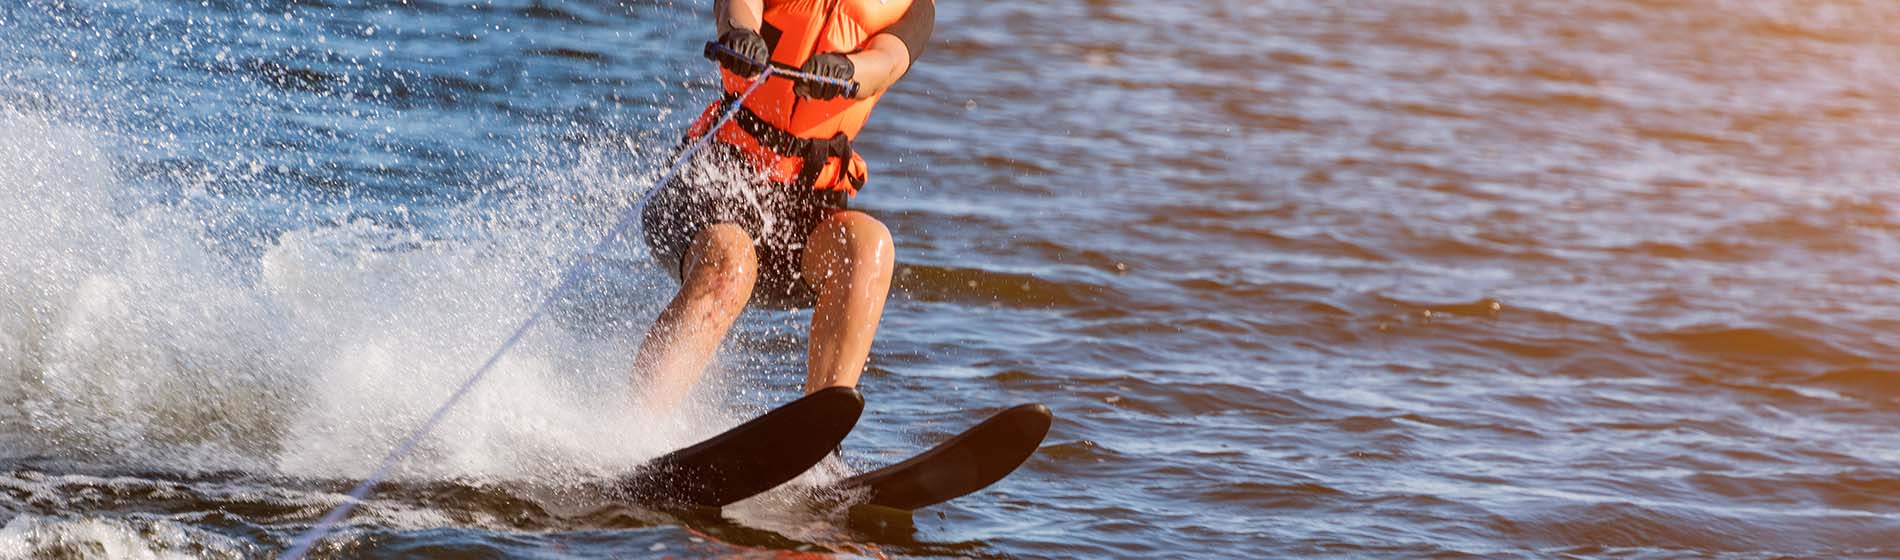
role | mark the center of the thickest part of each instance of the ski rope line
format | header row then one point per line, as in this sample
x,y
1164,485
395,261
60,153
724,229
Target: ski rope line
x,y
304,542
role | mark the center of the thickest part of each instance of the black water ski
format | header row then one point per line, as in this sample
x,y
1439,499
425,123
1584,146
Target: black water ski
x,y
751,458
972,460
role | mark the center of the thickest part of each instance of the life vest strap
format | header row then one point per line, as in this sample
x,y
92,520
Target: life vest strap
x,y
814,154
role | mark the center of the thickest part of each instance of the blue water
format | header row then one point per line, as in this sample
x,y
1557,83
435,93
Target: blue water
x,y
1437,278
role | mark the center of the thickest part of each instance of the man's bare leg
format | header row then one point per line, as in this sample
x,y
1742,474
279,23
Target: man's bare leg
x,y
848,261
720,268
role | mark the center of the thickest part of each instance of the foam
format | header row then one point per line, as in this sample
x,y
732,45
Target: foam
x,y
130,335
36,536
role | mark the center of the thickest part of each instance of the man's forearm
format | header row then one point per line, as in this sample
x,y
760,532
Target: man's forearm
x,y
880,64
728,14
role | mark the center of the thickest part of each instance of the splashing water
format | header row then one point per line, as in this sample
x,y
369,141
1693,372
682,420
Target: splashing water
x,y
1300,278
198,306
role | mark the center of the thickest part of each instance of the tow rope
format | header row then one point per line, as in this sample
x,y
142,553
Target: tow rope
x,y
301,546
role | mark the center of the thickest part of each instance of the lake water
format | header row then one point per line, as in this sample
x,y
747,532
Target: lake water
x,y
1406,278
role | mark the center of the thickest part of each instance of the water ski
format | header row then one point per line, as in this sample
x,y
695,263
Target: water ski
x,y
972,460
754,457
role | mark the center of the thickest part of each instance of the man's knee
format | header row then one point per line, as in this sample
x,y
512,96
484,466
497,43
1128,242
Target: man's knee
x,y
851,244
722,262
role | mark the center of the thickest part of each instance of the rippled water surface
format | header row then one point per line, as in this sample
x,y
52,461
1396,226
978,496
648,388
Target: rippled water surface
x,y
1298,277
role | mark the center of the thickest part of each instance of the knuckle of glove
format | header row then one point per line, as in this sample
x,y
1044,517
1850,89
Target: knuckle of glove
x,y
750,48
829,65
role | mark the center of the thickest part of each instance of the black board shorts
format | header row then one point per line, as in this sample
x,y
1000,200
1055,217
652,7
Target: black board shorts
x,y
715,189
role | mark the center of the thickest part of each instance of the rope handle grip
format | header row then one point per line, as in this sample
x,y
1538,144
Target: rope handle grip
x,y
850,87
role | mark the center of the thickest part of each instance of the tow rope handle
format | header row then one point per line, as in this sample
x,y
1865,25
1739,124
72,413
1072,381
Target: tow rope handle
x,y
850,87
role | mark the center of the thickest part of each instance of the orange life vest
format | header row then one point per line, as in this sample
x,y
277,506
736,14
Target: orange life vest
x,y
805,142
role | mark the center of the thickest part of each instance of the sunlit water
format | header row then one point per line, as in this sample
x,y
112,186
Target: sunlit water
x,y
1298,277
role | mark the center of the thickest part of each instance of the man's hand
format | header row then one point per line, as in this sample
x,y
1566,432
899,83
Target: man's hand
x,y
829,65
753,54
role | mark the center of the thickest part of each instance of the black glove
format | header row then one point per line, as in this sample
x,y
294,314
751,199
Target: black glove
x,y
829,65
753,55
